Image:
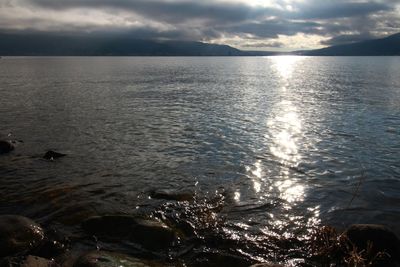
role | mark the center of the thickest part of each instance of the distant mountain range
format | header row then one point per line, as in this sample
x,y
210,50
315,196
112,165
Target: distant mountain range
x,y
41,44
388,46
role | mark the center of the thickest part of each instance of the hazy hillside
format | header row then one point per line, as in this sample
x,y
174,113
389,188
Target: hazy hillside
x,y
41,44
388,46
88,45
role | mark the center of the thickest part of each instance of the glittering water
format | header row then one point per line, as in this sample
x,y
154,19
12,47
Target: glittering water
x,y
288,142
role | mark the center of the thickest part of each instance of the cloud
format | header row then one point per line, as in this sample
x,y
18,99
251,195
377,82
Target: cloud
x,y
339,9
235,22
272,28
347,38
273,44
167,11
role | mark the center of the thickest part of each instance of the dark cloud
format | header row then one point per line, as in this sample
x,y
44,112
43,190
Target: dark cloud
x,y
348,38
334,22
169,11
175,11
338,9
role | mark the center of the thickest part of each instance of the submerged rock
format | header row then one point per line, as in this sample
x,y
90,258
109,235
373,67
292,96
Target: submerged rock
x,y
169,194
374,238
149,233
6,147
108,259
51,155
18,234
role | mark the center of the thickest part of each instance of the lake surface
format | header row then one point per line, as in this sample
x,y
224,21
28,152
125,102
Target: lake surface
x,y
283,144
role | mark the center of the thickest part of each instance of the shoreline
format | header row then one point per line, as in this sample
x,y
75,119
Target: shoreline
x,y
184,230
153,242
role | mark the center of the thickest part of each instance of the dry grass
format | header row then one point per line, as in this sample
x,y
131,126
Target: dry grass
x,y
327,247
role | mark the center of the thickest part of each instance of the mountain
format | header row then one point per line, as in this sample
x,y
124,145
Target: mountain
x,y
53,44
388,46
41,44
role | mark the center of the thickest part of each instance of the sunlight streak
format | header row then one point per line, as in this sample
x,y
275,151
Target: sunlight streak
x,y
284,65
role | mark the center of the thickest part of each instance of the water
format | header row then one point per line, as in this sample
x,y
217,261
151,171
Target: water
x,y
282,143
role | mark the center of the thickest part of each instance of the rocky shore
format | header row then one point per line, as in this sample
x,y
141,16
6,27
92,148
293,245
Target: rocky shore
x,y
24,242
184,232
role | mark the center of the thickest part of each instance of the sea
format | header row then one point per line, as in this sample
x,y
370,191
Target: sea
x,y
268,148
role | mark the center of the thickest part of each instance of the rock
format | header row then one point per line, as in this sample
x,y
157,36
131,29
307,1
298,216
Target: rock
x,y
28,261
54,244
51,155
266,265
108,259
18,234
380,237
6,147
32,261
169,194
149,233
217,258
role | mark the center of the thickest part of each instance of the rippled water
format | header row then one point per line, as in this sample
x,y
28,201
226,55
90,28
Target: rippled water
x,y
286,143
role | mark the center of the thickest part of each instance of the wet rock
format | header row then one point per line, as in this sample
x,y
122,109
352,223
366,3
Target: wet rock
x,y
169,194
108,259
217,258
18,234
54,244
149,233
6,147
378,237
52,155
32,261
266,265
28,261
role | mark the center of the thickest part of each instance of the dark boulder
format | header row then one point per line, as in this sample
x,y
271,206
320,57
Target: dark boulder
x,y
108,259
18,234
54,244
52,155
149,233
374,239
6,147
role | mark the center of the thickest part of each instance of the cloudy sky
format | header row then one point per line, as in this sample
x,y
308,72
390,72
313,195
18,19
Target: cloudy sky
x,y
245,24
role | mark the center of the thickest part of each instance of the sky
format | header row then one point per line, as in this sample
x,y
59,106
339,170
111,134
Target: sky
x,y
275,25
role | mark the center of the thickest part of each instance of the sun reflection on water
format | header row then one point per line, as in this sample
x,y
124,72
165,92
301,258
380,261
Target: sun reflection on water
x,y
285,65
285,143
290,191
284,129
256,175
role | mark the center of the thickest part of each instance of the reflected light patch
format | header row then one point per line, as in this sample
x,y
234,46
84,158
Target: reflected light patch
x,y
257,171
291,119
290,191
285,65
284,129
236,196
256,175
257,186
285,148
294,194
